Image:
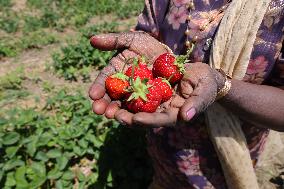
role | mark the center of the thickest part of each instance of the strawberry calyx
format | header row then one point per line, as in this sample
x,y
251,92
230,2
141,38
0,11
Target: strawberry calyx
x,y
140,90
135,62
143,59
180,61
183,59
121,76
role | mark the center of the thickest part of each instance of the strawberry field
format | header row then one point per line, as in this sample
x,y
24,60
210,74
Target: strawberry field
x,y
49,137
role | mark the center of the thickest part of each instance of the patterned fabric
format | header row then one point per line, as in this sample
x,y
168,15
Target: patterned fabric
x,y
184,156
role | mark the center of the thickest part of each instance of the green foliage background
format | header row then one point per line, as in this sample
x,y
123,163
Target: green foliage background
x,y
63,144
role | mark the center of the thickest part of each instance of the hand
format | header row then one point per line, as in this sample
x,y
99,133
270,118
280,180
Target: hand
x,y
130,45
199,87
196,91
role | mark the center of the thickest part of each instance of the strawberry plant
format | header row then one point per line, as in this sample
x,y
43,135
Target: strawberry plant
x,y
77,13
66,145
10,46
5,4
37,39
78,59
9,22
11,87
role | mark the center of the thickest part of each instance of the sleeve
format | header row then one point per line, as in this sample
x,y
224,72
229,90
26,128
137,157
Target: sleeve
x,y
277,78
152,16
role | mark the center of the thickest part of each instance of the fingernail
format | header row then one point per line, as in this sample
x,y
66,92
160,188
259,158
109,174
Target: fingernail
x,y
93,40
190,113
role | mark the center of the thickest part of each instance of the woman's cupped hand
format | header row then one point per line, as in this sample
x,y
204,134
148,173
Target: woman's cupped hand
x,y
196,91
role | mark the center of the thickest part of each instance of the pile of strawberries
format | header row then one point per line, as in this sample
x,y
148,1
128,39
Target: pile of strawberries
x,y
143,90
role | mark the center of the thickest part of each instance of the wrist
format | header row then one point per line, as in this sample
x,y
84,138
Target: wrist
x,y
223,84
220,80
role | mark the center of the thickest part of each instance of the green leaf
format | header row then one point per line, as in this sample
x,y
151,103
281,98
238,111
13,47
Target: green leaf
x,y
97,143
20,177
62,162
12,164
10,180
11,138
67,184
11,151
109,177
39,169
77,151
54,153
82,185
31,147
37,182
44,139
59,184
54,174
41,156
83,143
68,175
1,175
81,176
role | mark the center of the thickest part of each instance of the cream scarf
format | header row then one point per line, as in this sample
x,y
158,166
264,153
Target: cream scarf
x,y
231,52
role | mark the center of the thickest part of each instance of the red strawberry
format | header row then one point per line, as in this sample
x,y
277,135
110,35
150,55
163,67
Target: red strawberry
x,y
139,69
116,86
164,86
145,97
170,67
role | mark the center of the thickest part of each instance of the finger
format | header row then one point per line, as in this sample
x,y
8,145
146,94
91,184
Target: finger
x,y
124,117
97,90
177,101
123,60
99,106
111,109
198,102
112,41
163,119
185,88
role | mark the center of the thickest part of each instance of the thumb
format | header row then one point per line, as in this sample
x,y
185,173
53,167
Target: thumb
x,y
112,41
192,106
197,102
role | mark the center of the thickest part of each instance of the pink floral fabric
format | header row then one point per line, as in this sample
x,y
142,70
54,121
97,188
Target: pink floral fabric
x,y
183,156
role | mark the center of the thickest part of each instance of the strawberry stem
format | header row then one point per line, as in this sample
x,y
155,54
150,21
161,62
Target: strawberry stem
x,y
125,63
189,51
171,77
134,64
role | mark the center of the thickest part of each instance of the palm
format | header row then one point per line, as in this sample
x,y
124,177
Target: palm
x,y
130,45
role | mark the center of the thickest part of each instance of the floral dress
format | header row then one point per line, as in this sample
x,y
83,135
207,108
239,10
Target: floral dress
x,y
183,156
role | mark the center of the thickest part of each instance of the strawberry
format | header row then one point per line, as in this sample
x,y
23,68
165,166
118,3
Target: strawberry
x,y
139,69
170,67
116,86
164,86
145,97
